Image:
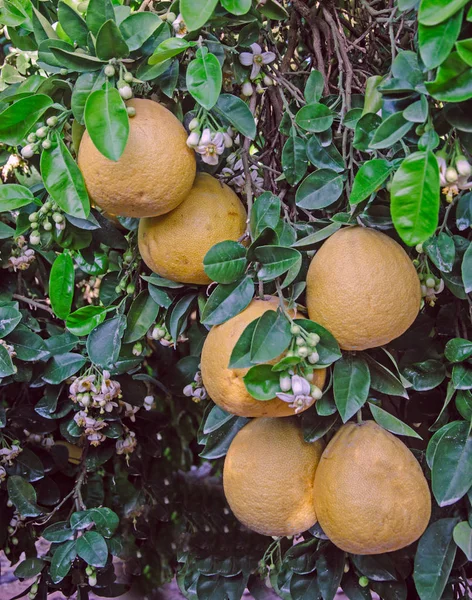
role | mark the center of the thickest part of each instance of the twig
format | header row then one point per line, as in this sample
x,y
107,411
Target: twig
x,y
247,172
33,303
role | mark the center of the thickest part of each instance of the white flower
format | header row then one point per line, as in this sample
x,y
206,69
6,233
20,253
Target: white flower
x,y
300,386
127,445
125,92
179,27
193,139
256,58
298,402
211,146
148,402
200,393
188,390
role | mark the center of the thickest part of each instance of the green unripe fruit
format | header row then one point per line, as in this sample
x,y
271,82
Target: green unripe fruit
x,y
130,288
89,570
123,284
14,541
363,581
46,144
127,257
295,329
109,70
137,348
128,77
118,289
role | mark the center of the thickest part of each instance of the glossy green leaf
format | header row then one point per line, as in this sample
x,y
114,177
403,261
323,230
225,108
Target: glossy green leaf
x,y
92,548
241,355
236,7
458,349
63,180
432,12
204,79
441,250
13,196
167,49
238,114
373,97
9,319
315,117
327,348
415,197
141,316
417,112
436,42
434,558
99,11
29,346
319,189
316,426
425,375
110,42
453,81
261,382
434,441
364,131
196,13
351,383
383,380
63,366
86,84
462,535
78,62
73,24
58,532
271,337
104,342
107,122
265,213
314,87
369,178
462,377
61,285
391,423
106,521
30,567
225,262
390,131
138,27
84,319
176,323
19,118
6,364
310,241
329,569
159,296
294,160
466,269
275,261
62,560
219,440
324,157
227,300
23,495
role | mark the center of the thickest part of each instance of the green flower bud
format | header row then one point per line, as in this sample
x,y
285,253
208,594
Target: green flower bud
x,y
109,70
430,282
64,72
46,144
57,217
295,329
123,284
89,570
170,17
127,257
131,111
313,339
52,121
118,290
299,341
130,288
137,349
419,248
363,581
303,351
33,217
31,138
14,541
34,225
128,77
47,225
41,132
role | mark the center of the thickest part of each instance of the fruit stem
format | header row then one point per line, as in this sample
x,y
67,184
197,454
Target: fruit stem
x,y
359,416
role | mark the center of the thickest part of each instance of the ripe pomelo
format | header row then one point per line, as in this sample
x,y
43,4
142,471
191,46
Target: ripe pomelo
x,y
174,245
268,477
362,286
154,173
371,495
225,386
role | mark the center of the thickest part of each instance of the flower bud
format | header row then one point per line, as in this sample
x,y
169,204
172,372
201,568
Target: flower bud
x,y
303,351
247,89
463,167
259,89
125,92
227,140
268,81
131,111
424,290
130,288
363,581
313,358
34,239
451,175
63,72
137,349
193,139
300,341
170,17
52,121
57,217
188,390
419,248
92,581
295,329
46,144
300,386
194,124
33,217
35,225
47,225
316,393
109,70
149,400
313,339
89,570
285,383
41,132
31,138
85,400
430,282
27,151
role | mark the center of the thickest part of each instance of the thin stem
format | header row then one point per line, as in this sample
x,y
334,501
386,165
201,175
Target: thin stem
x,y
359,416
33,303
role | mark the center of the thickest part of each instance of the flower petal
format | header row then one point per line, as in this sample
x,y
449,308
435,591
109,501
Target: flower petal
x,y
255,70
285,397
268,57
256,49
218,138
246,58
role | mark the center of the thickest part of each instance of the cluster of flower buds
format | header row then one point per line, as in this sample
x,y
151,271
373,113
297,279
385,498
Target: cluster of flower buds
x,y
92,575
9,348
454,177
123,84
234,176
305,344
196,389
9,453
21,256
40,138
298,391
46,441
430,287
127,445
256,59
210,144
160,334
40,220
91,391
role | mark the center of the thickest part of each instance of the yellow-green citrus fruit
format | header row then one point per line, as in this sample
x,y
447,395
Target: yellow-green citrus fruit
x,y
371,495
268,477
174,245
362,286
225,386
155,172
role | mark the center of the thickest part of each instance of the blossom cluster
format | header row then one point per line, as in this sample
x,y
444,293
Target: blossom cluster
x,y
21,256
100,393
234,176
298,391
210,144
196,389
454,178
7,456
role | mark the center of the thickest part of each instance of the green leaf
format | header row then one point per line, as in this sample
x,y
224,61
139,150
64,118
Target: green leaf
x,y
225,262
178,318
159,296
241,354
315,117
63,366
29,346
462,535
265,213
425,375
61,285
464,48
238,114
106,521
316,426
458,350
99,11
62,560
351,383
261,382
314,87
86,84
104,342
390,131
219,440
73,24
58,532
391,423
327,348
434,558
452,467
196,13
86,318
433,12
436,42
324,157
369,178
310,241
453,81
467,269
462,377
383,380
329,569
417,112
77,62
141,316
13,196
28,568
92,548
441,250
434,441
227,300
271,337
110,43
364,131
319,189
236,7
304,587
6,365
275,261
294,160
22,494
415,197
107,122
63,180
167,49
204,79
6,231
138,27
9,319
19,118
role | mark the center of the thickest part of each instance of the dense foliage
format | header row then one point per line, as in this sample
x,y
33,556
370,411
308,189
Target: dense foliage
x,y
320,115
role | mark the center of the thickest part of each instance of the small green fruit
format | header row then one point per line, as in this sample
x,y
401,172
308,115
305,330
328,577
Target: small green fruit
x,y
363,581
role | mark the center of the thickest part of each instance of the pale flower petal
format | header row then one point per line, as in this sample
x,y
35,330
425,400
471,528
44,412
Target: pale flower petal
x,y
246,58
256,49
255,70
268,57
206,137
